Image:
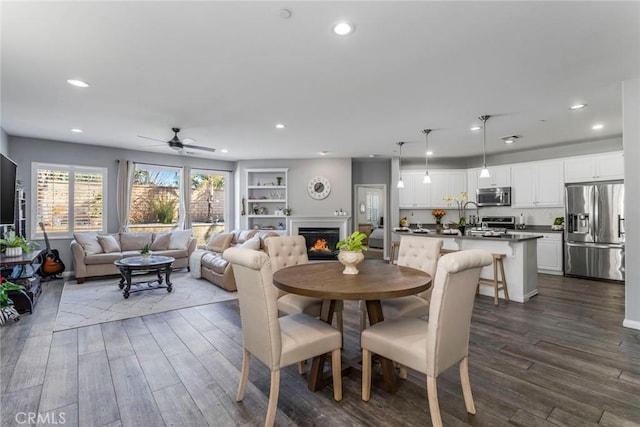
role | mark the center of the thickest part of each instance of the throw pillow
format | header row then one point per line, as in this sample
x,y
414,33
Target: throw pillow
x,y
252,243
179,239
219,242
109,243
161,242
89,242
134,241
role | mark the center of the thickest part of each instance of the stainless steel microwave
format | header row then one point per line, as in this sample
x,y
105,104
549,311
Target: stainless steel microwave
x,y
494,196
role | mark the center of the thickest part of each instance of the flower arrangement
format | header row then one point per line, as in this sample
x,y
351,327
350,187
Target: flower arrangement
x,y
459,201
438,214
145,251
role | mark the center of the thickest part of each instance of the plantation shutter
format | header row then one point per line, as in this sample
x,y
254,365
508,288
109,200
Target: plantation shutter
x,y
68,199
372,206
52,198
87,201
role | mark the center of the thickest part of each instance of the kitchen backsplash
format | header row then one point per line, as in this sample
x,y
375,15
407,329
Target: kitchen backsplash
x,y
538,216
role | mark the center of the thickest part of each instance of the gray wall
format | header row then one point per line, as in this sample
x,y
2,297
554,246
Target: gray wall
x,y
4,143
631,130
337,171
24,151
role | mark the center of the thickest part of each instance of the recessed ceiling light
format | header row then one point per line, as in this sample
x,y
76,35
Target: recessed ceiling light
x,y
429,153
224,150
324,153
343,28
76,130
597,127
577,106
373,155
510,139
475,128
280,126
78,83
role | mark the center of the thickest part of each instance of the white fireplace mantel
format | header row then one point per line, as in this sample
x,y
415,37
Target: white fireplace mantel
x,y
342,222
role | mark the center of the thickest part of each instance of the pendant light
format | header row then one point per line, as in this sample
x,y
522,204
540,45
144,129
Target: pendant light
x,y
427,178
400,182
484,173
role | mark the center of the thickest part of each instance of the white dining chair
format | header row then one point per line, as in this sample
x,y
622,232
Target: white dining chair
x,y
421,253
434,345
276,342
286,251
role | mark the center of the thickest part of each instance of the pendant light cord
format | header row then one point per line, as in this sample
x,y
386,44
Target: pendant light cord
x,y
484,140
426,152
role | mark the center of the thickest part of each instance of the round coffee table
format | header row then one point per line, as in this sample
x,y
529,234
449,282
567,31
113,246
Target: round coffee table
x,y
154,264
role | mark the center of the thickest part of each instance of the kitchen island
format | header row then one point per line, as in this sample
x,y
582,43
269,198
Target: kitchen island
x,y
520,263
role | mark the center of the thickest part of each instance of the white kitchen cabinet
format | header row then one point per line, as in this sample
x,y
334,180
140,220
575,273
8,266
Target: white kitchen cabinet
x,y
598,167
549,251
415,193
472,184
537,185
446,183
500,177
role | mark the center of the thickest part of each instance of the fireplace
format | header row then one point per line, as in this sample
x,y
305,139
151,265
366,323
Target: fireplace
x,y
320,241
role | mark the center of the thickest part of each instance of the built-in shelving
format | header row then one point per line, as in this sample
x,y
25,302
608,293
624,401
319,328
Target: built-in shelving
x,y
266,196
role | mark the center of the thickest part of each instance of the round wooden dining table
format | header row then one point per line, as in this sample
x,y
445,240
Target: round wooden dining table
x,y
375,281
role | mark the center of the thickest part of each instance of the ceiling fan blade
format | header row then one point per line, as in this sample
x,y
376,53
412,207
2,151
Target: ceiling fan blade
x,y
197,147
153,139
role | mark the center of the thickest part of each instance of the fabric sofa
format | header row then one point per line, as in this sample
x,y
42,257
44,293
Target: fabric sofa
x,y
94,254
207,262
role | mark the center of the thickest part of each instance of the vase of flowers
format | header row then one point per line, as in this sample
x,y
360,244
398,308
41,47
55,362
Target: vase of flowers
x,y
438,214
459,201
145,252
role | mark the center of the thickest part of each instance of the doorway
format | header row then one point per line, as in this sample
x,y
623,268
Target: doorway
x,y
370,215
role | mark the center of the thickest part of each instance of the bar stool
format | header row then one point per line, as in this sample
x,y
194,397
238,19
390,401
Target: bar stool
x,y
392,252
497,284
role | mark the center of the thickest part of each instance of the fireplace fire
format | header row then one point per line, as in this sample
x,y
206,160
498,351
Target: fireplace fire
x,y
320,242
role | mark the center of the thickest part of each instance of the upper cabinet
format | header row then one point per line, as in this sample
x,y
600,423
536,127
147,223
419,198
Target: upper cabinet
x,y
537,185
446,183
500,177
598,167
417,194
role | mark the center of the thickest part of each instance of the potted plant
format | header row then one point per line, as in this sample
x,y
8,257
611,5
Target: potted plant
x,y
7,310
15,245
145,252
558,223
351,251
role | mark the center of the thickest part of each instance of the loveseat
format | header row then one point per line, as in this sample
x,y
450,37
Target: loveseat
x,y
94,254
207,261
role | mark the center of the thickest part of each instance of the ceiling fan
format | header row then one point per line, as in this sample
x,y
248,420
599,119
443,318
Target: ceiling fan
x,y
176,144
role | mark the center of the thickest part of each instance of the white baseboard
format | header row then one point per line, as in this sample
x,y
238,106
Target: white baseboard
x,y
633,324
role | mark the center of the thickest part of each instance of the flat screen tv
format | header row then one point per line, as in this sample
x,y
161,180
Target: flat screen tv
x,y
7,190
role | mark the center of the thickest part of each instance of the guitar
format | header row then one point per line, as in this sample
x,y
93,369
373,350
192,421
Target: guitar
x,y
51,262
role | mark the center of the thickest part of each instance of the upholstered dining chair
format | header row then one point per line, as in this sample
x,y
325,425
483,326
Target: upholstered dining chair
x,y
286,251
421,253
276,342
432,346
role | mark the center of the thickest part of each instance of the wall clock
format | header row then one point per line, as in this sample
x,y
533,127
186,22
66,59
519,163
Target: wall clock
x,y
319,187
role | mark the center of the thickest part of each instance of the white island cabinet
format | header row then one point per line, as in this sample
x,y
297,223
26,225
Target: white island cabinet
x,y
520,263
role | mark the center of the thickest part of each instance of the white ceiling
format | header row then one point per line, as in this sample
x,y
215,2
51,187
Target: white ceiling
x,y
227,72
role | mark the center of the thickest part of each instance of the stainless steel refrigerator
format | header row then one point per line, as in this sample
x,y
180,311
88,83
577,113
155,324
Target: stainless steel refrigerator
x,y
594,232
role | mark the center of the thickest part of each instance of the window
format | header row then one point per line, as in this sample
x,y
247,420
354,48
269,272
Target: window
x,y
207,203
155,198
373,203
68,199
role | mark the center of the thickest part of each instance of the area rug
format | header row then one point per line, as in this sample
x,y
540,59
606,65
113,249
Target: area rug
x,y
99,301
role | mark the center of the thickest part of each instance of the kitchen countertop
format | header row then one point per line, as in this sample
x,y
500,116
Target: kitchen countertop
x,y
515,237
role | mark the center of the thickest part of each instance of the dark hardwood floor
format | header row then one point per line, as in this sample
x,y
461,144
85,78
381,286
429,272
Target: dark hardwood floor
x,y
561,359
